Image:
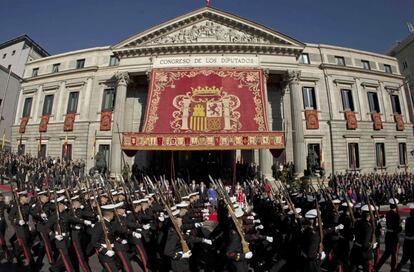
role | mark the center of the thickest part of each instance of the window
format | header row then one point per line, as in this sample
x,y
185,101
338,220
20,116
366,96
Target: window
x,y
387,68
405,65
108,101
27,108
1,100
4,55
309,99
14,52
380,154
21,149
9,67
113,61
48,105
68,155
304,58
347,100
80,63
55,68
366,65
339,60
373,102
105,150
42,151
353,156
35,72
395,102
73,102
402,153
317,149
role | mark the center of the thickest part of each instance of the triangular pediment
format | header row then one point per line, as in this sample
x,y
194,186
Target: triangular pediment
x,y
207,28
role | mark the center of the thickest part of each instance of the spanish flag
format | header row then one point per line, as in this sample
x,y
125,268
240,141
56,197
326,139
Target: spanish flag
x,y
65,147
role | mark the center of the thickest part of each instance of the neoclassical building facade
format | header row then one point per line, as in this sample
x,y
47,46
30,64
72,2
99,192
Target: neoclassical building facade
x,y
211,88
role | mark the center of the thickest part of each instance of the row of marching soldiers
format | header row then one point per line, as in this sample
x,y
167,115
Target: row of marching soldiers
x,y
283,232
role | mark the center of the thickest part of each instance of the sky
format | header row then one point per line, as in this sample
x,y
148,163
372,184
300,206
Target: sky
x,y
61,26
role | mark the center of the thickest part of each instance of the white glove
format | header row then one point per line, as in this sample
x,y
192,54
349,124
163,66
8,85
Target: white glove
x,y
186,254
82,207
110,253
323,255
382,220
374,245
269,239
253,213
207,241
250,217
92,225
257,221
339,227
137,235
161,218
259,227
248,255
146,226
87,222
44,216
124,242
21,222
59,237
77,227
198,225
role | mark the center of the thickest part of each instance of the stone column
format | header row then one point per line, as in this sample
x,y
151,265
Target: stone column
x,y
299,151
118,124
265,157
287,122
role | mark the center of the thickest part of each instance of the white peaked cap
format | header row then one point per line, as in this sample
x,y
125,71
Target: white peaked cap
x,y
238,213
298,210
311,214
393,201
365,208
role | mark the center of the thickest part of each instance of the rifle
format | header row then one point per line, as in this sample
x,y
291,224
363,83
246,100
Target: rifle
x,y
371,214
348,203
101,219
239,227
17,201
184,245
59,229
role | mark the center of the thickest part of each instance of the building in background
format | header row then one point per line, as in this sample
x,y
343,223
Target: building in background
x,y
345,106
14,54
404,52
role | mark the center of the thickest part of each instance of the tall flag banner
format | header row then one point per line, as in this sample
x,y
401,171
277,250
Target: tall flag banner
x,y
65,147
94,146
4,139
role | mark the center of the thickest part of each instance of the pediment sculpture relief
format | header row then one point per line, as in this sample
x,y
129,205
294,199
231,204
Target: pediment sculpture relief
x,y
208,31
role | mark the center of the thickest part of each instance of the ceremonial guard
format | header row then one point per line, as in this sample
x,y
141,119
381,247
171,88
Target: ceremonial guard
x,y
408,247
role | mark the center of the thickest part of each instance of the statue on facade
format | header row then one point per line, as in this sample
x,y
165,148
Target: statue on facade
x,y
100,162
312,163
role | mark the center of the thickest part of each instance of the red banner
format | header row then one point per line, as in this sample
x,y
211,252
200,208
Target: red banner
x,y
69,120
312,121
206,101
106,120
241,140
23,124
376,118
43,123
351,121
400,122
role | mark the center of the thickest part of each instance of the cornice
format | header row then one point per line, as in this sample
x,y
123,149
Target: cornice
x,y
208,48
360,70
62,73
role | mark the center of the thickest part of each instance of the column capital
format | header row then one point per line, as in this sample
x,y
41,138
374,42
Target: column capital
x,y
292,77
122,78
